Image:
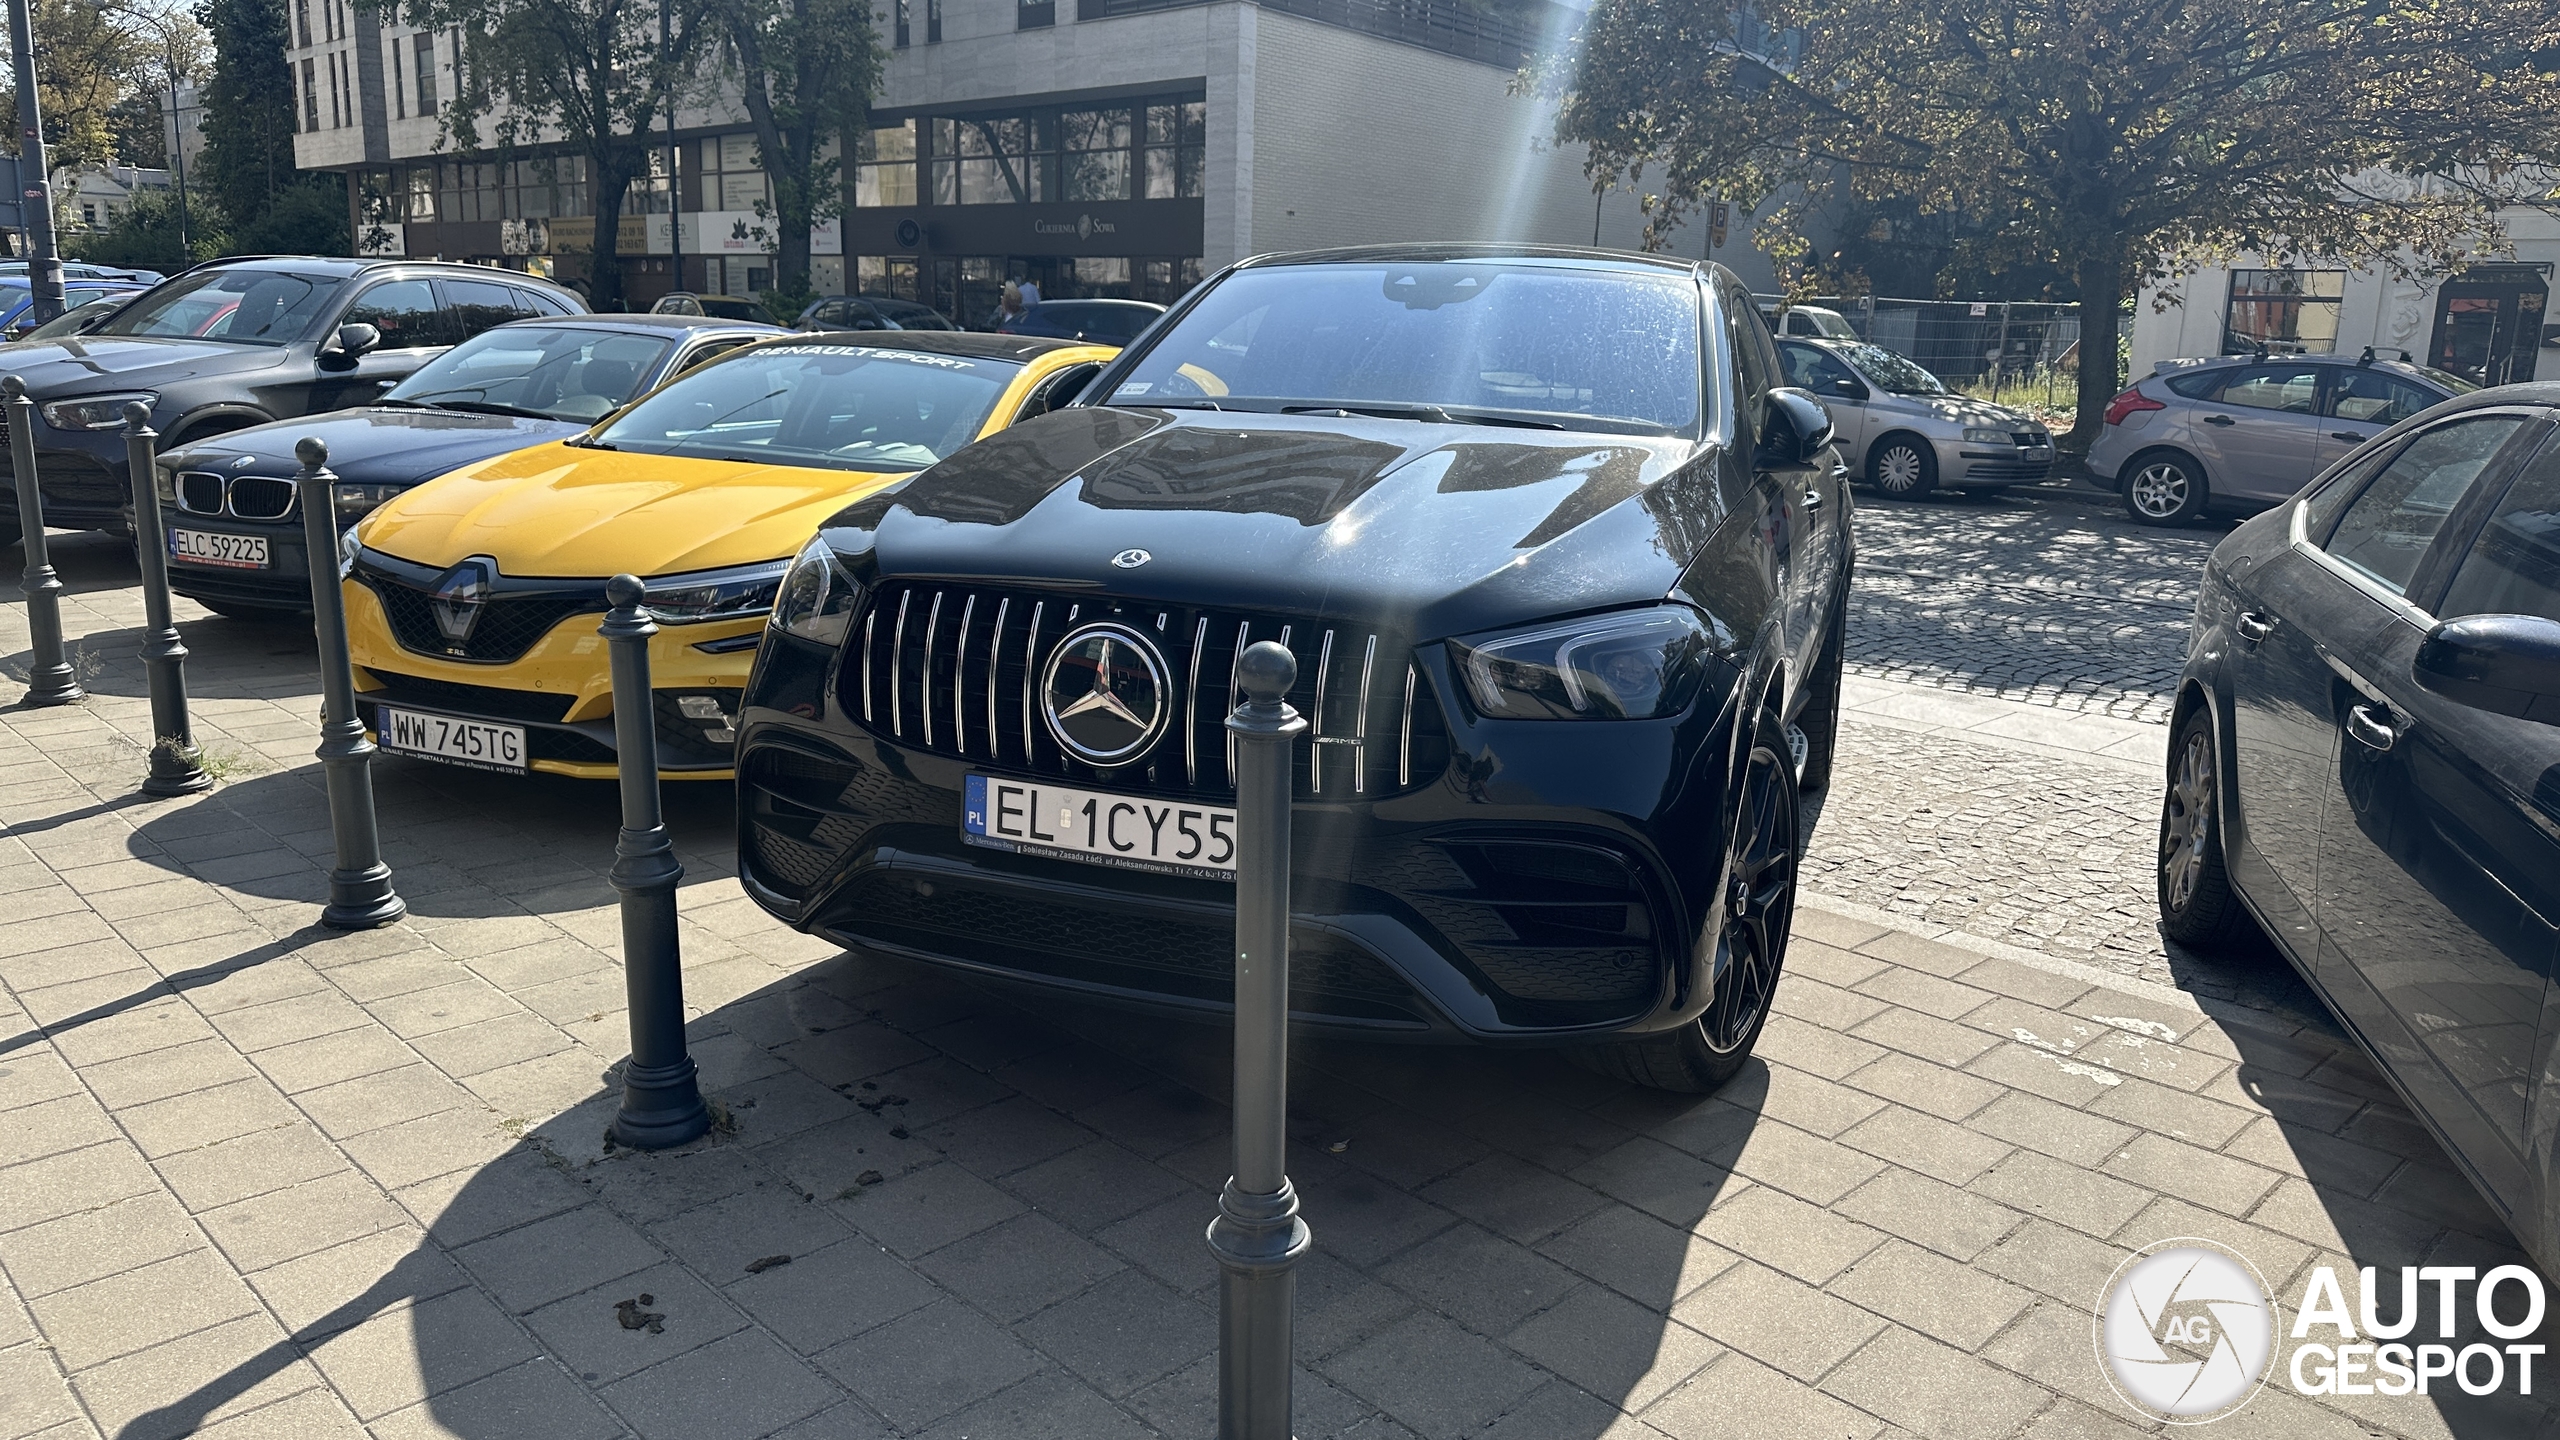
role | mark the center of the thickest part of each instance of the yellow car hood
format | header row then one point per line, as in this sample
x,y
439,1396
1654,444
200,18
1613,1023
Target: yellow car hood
x,y
560,510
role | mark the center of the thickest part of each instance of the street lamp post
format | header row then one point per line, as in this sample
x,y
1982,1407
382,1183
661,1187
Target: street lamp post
x,y
44,262
1258,1237
178,155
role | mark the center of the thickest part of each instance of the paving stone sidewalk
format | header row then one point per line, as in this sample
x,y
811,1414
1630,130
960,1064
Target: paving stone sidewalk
x,y
269,1181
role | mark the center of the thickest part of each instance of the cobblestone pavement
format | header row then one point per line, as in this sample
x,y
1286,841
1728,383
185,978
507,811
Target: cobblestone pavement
x,y
268,1181
2028,597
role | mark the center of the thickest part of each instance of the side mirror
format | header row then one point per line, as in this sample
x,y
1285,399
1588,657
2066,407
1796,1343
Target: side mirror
x,y
1848,388
1799,429
353,340
2505,664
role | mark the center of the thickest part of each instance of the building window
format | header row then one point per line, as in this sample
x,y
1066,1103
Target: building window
x,y
900,38
420,201
302,22
932,22
731,179
884,171
1035,14
423,47
993,161
310,97
1177,140
1093,159
337,105
468,192
399,83
2283,312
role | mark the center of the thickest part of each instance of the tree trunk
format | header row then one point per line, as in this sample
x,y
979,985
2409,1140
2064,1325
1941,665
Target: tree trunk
x,y
2101,274
791,208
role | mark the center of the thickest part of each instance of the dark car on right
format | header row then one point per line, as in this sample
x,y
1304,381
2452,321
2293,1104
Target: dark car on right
x,y
2365,762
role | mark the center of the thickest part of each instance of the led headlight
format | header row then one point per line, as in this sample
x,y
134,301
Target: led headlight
x,y
94,412
1626,665
818,596
716,594
1981,435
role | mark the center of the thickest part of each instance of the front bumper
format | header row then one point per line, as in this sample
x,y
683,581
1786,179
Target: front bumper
x,y
81,475
1562,889
1964,465
284,582
561,688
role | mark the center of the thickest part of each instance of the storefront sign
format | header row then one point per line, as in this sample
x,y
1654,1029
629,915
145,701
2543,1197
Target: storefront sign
x,y
576,234
743,232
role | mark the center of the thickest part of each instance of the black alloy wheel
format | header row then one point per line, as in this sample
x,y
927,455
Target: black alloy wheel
x,y
1903,466
1751,949
2197,906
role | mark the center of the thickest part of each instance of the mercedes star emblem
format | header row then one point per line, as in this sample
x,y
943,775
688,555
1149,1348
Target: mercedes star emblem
x,y
1103,693
460,595
1131,559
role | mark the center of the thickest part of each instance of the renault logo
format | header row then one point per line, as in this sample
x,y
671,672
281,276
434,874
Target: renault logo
x,y
1103,694
460,595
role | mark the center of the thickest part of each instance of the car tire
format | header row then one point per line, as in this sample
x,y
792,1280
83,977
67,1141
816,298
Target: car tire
x,y
1903,466
2163,488
254,614
1703,1054
2198,908
1819,720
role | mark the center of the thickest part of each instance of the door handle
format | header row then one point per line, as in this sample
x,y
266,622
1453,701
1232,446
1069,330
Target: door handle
x,y
2220,420
2348,435
1813,499
2368,731
2253,627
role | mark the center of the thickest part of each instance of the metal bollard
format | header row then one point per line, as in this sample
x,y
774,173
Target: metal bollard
x,y
360,893
177,767
1258,1237
49,677
661,1101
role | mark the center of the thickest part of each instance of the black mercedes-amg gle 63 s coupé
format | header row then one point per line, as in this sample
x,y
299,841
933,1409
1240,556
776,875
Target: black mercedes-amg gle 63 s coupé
x,y
1562,563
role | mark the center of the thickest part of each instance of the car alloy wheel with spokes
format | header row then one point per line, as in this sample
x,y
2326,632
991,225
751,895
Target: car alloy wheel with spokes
x,y
1902,469
2197,905
2163,490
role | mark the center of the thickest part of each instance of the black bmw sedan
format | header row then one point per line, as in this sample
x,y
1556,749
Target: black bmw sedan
x,y
229,504
2365,762
1563,569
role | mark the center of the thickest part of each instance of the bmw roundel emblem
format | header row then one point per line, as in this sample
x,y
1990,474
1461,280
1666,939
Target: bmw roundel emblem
x,y
1131,559
1104,694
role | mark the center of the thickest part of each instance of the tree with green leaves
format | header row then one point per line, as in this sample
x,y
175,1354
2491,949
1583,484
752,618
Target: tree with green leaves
x,y
589,74
89,58
2111,139
807,70
248,107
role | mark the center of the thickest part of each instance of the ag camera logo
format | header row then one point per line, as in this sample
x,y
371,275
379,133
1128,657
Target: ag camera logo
x,y
2185,1331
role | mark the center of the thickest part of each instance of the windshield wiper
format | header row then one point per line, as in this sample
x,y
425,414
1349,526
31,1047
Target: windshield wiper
x,y
1184,405
490,407
1432,414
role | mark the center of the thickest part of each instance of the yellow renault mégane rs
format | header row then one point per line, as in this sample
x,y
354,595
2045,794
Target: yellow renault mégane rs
x,y
473,600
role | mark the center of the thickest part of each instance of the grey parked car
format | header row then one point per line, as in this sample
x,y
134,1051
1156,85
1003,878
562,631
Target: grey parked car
x,y
1905,432
2242,433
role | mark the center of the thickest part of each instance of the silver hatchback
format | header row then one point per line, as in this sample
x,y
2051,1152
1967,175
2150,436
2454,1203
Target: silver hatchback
x,y
1904,432
2245,432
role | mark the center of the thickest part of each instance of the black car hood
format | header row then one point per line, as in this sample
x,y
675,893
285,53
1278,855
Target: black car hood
x,y
378,445
1442,528
83,365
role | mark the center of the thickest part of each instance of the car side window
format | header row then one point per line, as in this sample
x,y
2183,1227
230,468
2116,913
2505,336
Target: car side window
x,y
2294,388
2369,397
2385,531
406,313
704,353
2513,568
1808,368
479,304
1754,357
542,302
2197,384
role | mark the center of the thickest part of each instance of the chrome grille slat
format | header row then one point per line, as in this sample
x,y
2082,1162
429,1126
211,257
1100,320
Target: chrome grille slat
x,y
1315,733
924,688
995,661
898,668
1404,742
870,623
960,679
1360,724
1030,651
1191,707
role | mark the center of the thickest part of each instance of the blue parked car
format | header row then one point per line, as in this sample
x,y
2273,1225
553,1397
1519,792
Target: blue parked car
x,y
17,302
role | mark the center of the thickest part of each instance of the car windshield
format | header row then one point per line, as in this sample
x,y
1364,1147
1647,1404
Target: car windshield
x,y
558,372
1897,373
248,307
844,407
1555,346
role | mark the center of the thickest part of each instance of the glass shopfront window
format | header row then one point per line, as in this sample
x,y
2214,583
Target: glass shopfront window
x,y
1093,163
731,179
1153,150
1177,141
993,161
2283,312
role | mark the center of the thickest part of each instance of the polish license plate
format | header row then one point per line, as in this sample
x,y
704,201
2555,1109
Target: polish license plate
x,y
475,743
1169,837
205,547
